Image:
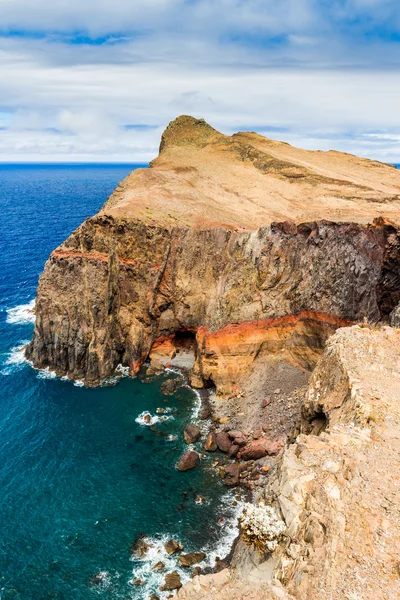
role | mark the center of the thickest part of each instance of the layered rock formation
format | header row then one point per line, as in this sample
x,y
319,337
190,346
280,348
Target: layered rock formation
x,y
186,249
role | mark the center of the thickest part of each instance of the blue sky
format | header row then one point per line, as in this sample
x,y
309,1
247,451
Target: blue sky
x,y
94,80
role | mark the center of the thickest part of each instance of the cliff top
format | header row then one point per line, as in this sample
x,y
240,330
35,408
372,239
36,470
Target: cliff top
x,y
203,179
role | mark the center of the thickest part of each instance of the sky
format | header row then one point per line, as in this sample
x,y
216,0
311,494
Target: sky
x,y
98,81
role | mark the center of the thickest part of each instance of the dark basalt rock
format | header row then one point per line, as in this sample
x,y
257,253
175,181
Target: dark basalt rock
x,y
188,461
172,547
170,386
232,475
140,547
192,433
223,441
172,582
188,560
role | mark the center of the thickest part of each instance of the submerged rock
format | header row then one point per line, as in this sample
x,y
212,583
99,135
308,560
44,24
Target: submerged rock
x,y
192,433
140,546
99,578
170,386
188,461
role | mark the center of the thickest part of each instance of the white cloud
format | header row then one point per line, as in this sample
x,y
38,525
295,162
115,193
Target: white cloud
x,y
253,64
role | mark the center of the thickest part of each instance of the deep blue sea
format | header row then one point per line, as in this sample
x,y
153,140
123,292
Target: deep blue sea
x,y
80,477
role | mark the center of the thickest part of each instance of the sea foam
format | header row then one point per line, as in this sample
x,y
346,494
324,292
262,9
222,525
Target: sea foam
x,y
147,419
22,314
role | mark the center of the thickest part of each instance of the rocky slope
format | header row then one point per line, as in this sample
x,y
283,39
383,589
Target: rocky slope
x,y
190,248
338,492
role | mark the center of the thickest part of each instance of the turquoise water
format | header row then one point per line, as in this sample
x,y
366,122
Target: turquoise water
x,y
80,477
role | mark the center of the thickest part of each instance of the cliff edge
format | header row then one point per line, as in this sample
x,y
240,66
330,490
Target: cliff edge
x,y
242,245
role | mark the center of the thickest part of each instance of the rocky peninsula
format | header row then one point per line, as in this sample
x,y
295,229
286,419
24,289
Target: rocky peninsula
x,y
240,257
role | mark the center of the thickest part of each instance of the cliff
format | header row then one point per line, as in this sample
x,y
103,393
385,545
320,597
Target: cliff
x,y
200,246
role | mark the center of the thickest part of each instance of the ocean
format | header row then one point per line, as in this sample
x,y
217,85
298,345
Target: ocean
x,y
81,475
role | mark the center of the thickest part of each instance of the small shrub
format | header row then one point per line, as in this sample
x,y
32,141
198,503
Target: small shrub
x,y
261,526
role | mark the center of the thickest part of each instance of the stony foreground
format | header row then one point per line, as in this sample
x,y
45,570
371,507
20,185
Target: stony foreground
x,y
339,491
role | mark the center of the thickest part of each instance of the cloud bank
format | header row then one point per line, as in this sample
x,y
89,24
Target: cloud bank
x,y
99,81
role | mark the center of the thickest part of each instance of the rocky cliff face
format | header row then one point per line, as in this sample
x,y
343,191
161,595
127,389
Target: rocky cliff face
x,y
176,253
118,291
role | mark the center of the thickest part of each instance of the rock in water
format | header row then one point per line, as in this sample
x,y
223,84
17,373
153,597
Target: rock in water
x,y
170,386
192,433
140,546
188,461
188,560
172,547
172,582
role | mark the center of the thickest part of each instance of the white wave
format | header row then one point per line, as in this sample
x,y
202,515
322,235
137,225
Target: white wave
x,y
154,579
46,374
171,438
79,383
229,529
22,314
122,371
16,359
147,419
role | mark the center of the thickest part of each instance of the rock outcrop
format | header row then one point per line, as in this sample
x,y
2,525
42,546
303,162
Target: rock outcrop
x,y
199,247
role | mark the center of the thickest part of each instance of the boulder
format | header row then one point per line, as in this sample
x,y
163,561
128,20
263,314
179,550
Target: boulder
x,y
211,442
233,450
172,581
140,546
188,560
188,461
160,566
235,434
170,386
232,475
260,448
192,433
172,547
223,441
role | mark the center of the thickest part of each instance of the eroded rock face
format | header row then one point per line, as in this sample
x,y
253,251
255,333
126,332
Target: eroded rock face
x,y
124,286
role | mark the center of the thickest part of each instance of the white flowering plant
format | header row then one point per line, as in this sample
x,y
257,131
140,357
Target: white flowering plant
x,y
261,526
